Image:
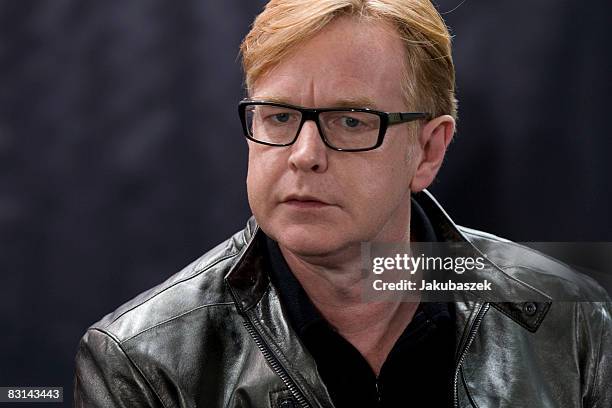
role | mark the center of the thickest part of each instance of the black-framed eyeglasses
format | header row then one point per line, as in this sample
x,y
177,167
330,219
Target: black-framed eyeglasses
x,y
341,129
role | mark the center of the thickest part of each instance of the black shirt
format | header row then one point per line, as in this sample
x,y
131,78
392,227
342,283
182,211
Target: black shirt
x,y
417,372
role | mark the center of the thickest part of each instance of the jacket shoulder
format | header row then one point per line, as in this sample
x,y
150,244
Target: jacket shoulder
x,y
541,271
198,285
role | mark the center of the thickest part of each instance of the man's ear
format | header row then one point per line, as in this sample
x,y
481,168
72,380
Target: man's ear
x,y
433,140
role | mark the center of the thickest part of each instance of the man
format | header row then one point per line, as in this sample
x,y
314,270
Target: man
x,y
351,108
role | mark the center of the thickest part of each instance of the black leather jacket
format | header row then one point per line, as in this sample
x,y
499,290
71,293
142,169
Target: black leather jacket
x,y
214,335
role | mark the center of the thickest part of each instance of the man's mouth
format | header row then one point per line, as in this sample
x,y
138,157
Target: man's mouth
x,y
305,201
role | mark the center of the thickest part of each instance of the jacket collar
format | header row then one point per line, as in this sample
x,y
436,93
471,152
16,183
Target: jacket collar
x,y
518,300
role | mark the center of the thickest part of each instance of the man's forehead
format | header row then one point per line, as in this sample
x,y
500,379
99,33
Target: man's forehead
x,y
349,63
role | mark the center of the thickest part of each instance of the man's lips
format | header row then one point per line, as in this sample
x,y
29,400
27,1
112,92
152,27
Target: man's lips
x,y
305,201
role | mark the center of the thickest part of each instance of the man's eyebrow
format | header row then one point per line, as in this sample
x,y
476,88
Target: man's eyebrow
x,y
358,102
273,99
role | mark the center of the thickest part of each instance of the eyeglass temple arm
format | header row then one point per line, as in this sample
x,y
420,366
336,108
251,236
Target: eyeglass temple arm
x,y
402,117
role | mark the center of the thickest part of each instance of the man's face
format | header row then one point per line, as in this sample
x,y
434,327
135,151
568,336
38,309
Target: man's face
x,y
316,201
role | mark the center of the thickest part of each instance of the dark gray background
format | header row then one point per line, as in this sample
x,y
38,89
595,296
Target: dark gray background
x,y
122,158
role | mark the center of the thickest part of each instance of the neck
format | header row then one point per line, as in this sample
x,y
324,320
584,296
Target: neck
x,y
336,290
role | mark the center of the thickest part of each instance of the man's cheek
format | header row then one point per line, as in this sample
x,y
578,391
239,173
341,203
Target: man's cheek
x,y
254,190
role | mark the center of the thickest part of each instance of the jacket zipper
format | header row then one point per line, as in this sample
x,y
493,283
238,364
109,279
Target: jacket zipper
x,y
481,313
275,364
299,396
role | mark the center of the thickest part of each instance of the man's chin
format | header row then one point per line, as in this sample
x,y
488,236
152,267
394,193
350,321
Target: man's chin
x,y
311,242
305,248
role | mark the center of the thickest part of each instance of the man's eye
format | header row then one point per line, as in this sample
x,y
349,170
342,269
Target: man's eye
x,y
350,122
281,117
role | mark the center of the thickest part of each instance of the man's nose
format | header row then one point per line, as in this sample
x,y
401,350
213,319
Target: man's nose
x,y
309,153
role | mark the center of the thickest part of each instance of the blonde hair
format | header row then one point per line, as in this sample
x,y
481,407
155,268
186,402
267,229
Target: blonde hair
x,y
429,80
